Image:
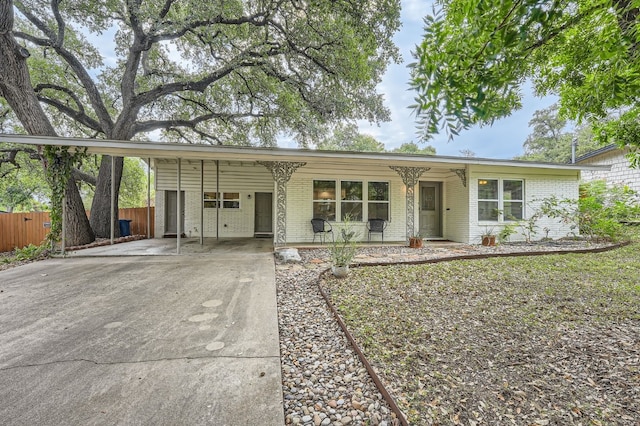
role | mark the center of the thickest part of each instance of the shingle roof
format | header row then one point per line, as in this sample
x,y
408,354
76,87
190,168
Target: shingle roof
x,y
596,152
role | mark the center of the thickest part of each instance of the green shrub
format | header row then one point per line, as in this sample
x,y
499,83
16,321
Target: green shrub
x,y
599,213
29,252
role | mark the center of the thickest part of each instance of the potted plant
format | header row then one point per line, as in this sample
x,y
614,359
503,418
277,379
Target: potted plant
x,y
343,250
488,237
415,241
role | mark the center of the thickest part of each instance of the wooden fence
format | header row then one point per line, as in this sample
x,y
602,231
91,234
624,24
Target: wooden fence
x,y
21,229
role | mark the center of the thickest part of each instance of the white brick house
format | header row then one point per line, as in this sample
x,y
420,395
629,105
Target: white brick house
x,y
450,198
230,191
620,172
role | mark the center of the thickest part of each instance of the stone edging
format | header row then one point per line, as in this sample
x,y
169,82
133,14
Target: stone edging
x,y
383,391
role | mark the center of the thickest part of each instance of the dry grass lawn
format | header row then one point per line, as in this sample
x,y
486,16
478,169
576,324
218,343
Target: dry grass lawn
x,y
543,340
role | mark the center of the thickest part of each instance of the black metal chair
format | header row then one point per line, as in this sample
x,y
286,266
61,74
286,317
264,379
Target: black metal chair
x,y
321,228
376,226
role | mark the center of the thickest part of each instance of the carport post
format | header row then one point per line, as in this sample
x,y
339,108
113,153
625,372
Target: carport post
x,y
148,197
218,201
113,197
179,208
201,202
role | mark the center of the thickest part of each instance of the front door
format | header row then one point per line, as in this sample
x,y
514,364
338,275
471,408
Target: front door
x,y
430,211
263,213
171,212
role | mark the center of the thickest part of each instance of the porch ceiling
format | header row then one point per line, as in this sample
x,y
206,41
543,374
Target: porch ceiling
x,y
162,150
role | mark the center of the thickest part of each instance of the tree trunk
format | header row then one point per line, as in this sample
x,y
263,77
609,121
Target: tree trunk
x,y
16,88
76,227
101,206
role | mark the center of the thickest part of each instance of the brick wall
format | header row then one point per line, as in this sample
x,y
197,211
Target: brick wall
x,y
620,174
456,210
537,186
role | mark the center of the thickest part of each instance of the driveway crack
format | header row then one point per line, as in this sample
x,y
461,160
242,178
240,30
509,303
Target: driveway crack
x,y
143,361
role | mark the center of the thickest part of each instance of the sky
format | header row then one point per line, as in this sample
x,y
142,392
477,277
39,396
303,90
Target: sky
x,y
503,139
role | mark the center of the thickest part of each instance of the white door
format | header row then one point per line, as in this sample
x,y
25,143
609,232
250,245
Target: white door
x,y
430,211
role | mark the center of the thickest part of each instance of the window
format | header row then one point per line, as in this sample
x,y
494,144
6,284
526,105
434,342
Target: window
x,y
488,201
358,200
210,200
512,199
230,200
378,200
351,196
500,195
324,199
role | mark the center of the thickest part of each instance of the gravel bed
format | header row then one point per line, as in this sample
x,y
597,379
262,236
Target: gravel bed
x,y
324,382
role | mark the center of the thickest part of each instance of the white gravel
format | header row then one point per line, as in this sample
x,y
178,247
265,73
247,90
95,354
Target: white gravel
x,y
324,382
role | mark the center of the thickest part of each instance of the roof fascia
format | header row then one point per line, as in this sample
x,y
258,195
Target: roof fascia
x,y
230,152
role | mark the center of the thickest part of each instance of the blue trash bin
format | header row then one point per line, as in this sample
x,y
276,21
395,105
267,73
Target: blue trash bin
x,y
125,227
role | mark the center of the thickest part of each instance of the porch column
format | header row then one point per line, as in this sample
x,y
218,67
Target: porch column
x,y
410,176
281,172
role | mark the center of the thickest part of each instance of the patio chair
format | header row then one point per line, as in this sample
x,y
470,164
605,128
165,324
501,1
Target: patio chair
x,y
376,226
321,228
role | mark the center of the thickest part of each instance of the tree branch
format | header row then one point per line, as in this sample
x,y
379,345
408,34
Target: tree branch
x,y
148,126
85,79
79,116
157,92
83,176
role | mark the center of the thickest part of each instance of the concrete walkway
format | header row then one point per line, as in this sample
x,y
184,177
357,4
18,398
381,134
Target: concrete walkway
x,y
151,340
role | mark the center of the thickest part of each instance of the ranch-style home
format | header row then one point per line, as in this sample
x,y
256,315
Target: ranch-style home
x,y
230,191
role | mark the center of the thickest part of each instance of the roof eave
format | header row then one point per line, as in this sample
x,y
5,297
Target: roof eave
x,y
230,152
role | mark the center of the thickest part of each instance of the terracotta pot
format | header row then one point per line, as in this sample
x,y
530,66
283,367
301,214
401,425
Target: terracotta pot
x,y
415,242
489,240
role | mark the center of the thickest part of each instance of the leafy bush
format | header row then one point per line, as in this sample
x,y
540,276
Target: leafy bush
x,y
29,252
505,233
599,213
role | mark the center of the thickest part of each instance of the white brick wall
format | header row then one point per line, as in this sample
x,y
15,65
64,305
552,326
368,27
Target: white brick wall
x,y
300,204
456,210
459,203
537,187
245,178
159,213
620,174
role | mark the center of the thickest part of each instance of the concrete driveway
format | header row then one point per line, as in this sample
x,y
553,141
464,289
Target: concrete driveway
x,y
157,340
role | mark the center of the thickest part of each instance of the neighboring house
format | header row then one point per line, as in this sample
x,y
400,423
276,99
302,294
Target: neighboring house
x,y
229,191
620,172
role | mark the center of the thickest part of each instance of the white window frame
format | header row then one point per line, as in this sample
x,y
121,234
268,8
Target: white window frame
x,y
206,196
387,201
364,201
500,200
353,202
333,200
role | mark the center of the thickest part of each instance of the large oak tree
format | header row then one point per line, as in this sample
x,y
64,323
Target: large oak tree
x,y
476,56
219,71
